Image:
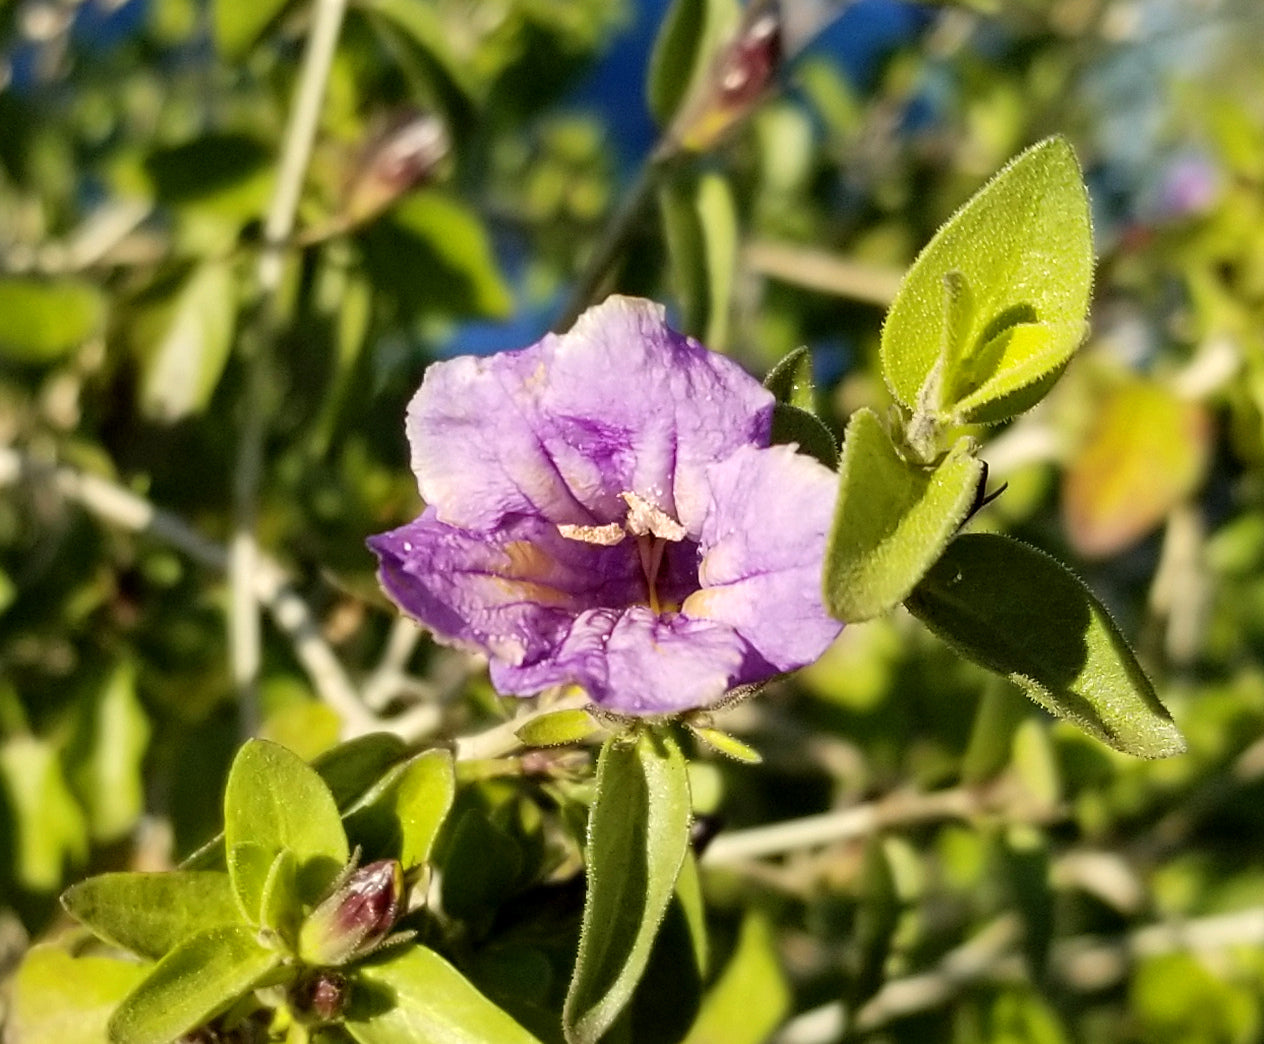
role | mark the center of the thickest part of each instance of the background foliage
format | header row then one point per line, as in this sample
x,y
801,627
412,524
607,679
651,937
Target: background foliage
x,y
978,872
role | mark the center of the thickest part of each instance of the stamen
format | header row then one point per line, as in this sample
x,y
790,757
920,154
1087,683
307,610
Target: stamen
x,y
650,550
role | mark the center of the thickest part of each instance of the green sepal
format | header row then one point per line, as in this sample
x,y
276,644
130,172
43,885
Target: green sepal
x,y
1017,611
638,833
892,520
790,381
196,981
401,815
793,425
558,728
274,800
995,305
724,743
150,913
413,994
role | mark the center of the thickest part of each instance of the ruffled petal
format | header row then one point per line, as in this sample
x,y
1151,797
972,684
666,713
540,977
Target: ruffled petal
x,y
633,662
621,403
763,544
512,594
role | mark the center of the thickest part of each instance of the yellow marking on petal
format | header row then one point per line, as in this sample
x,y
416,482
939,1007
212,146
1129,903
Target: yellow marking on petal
x,y
526,561
699,604
524,572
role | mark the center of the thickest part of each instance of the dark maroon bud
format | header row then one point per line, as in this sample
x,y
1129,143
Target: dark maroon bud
x,y
322,996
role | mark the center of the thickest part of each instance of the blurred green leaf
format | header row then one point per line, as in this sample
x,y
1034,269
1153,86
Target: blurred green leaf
x,y
51,829
236,25
184,341
691,33
150,913
638,833
877,916
414,995
995,304
1025,859
400,817
226,175
274,800
700,223
105,756
424,25
61,999
1016,611
192,984
892,520
751,996
481,867
1147,451
47,319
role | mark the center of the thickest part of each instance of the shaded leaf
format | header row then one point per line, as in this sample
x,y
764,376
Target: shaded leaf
x,y
892,520
47,319
1147,451
790,381
352,768
638,833
60,999
402,814
150,913
415,997
1018,258
1016,611
191,985
793,425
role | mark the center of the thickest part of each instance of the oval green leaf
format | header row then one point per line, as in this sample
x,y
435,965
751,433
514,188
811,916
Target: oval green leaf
x,y
416,997
1023,248
275,800
1018,612
638,833
151,913
892,520
191,985
45,320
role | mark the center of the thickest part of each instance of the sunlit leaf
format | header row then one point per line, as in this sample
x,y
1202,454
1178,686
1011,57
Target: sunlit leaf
x,y
401,815
51,828
61,999
47,319
750,998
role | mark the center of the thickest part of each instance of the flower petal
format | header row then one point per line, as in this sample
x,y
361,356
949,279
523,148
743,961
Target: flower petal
x,y
763,544
632,661
621,403
511,594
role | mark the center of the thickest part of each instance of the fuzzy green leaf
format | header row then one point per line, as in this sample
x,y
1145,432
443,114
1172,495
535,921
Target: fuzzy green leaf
x,y
638,833
893,519
791,424
191,985
150,913
994,306
275,800
1018,612
413,996
557,728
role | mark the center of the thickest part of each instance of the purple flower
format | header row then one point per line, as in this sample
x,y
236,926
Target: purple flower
x,y
604,510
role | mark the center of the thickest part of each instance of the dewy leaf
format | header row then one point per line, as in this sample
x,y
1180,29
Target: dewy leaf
x,y
638,833
149,913
1023,246
274,800
692,31
106,752
45,320
790,381
185,343
401,816
413,996
191,985
1018,612
750,998
60,999
1146,452
892,520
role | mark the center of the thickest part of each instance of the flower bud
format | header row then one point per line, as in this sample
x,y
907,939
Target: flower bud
x,y
355,917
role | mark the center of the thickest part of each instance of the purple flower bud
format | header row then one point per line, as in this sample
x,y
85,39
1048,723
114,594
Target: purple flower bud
x,y
355,917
